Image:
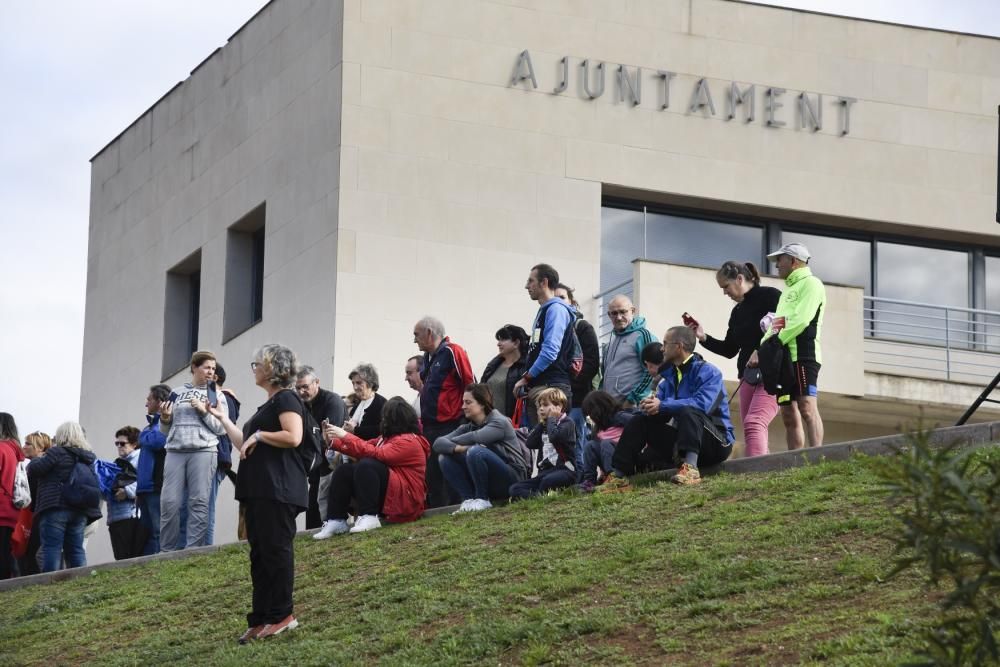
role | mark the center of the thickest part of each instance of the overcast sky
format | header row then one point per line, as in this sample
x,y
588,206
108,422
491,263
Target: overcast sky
x,y
74,74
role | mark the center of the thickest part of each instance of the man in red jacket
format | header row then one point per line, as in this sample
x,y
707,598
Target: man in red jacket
x,y
445,375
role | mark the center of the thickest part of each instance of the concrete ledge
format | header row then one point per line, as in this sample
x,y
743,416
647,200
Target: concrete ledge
x,y
970,434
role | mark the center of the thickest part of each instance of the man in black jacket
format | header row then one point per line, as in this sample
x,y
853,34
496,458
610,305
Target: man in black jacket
x,y
323,404
583,383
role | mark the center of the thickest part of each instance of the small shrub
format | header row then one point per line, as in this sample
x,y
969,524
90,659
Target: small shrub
x,y
947,501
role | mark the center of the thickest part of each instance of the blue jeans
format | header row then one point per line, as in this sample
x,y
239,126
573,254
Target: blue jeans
x,y
220,475
576,414
61,531
596,453
478,473
149,515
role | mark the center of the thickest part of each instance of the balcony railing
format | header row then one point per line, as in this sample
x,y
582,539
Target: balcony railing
x,y
931,340
906,338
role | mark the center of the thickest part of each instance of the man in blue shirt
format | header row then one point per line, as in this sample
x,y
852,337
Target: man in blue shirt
x,y
551,346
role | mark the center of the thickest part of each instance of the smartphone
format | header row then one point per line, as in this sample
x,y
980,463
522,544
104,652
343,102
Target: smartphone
x,y
172,398
213,396
688,320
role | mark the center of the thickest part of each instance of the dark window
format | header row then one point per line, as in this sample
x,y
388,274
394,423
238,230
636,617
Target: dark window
x,y
621,242
927,276
836,260
244,306
683,240
181,314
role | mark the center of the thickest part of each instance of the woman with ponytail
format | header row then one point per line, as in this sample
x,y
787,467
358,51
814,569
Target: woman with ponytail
x,y
741,283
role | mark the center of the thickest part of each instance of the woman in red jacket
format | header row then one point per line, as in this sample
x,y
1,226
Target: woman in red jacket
x,y
388,478
10,456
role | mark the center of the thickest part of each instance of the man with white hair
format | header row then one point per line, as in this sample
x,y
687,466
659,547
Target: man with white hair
x,y
445,375
797,323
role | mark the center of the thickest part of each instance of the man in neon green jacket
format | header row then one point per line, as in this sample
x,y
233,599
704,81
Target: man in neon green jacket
x,y
797,323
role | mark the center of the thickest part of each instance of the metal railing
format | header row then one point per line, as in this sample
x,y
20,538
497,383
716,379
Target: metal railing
x,y
945,342
907,338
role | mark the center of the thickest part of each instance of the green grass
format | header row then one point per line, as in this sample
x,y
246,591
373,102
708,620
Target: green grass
x,y
779,568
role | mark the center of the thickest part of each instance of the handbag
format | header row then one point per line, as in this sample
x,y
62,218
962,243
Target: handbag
x,y
22,533
751,376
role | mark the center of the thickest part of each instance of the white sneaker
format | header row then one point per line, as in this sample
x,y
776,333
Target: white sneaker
x,y
466,506
330,528
478,505
366,522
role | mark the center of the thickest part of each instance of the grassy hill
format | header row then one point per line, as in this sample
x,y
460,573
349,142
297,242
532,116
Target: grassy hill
x,y
778,568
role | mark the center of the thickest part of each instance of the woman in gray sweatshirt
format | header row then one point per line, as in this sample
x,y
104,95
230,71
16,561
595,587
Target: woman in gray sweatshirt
x,y
192,454
481,458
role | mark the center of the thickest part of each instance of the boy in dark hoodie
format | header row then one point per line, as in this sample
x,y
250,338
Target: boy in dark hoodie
x,y
555,439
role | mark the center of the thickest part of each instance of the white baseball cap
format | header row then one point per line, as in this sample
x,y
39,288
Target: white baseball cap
x,y
796,250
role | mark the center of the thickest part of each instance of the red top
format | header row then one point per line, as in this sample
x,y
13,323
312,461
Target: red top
x,y
10,455
406,457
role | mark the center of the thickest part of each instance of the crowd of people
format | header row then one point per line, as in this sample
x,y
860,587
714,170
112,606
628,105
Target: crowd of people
x,y
551,411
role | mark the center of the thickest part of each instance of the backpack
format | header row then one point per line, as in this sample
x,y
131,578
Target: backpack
x,y
81,490
21,495
527,455
570,350
311,447
775,367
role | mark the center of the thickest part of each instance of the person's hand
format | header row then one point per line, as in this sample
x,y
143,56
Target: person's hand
x,y
349,426
778,324
330,432
248,446
752,362
461,449
167,411
650,405
699,331
200,406
121,495
216,412
520,388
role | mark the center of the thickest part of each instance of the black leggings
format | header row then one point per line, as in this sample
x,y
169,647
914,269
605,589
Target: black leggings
x,y
365,481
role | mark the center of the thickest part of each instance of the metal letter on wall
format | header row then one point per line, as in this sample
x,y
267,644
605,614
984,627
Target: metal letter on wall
x,y
807,112
524,70
564,80
702,97
666,76
586,80
771,104
845,118
747,98
634,87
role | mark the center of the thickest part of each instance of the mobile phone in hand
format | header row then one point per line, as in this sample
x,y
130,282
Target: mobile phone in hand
x,y
688,320
172,398
213,396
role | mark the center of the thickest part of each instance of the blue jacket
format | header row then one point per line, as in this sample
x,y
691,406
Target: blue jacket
x,y
549,352
119,510
151,457
700,388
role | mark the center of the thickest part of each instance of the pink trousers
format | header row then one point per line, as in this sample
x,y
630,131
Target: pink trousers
x,y
757,409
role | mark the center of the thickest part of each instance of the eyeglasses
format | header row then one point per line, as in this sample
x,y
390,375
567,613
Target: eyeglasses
x,y
618,313
254,365
120,444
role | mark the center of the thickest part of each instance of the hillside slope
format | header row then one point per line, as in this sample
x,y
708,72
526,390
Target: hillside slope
x,y
778,568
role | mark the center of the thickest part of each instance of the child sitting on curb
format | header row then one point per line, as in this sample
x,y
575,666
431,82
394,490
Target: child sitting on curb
x,y
608,418
555,439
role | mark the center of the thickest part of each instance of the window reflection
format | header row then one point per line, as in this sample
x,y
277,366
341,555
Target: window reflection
x,y
841,261
925,275
679,240
621,242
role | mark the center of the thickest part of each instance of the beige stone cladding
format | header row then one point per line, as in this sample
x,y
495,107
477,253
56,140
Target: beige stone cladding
x,y
405,174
